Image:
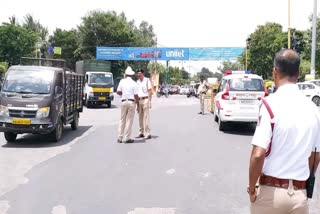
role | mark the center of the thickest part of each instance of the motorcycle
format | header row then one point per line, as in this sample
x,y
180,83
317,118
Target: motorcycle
x,y
192,93
163,92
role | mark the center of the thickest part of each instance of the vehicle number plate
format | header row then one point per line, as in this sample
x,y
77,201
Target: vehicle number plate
x,y
18,121
248,102
102,98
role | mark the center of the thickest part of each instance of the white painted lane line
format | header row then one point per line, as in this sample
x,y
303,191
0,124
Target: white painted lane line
x,y
171,171
154,210
59,210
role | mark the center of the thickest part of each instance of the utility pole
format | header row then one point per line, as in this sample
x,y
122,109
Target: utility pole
x,y
156,56
289,24
314,39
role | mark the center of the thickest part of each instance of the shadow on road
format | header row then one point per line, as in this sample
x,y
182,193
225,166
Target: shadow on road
x,y
153,137
42,141
102,107
245,129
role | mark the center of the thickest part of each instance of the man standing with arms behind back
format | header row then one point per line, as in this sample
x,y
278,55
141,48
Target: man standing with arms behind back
x,y
128,90
284,144
145,96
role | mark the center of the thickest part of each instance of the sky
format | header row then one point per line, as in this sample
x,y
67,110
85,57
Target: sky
x,y
177,23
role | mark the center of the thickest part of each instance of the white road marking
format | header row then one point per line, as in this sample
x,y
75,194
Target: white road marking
x,y
4,207
205,175
171,171
154,210
59,210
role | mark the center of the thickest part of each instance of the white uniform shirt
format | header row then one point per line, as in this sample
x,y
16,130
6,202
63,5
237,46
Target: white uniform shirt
x,y
143,87
128,87
202,87
296,133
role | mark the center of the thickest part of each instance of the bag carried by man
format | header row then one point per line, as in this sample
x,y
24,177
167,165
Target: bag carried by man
x,y
311,179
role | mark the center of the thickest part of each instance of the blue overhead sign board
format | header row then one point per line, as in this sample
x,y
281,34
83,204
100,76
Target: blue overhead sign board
x,y
141,53
145,53
215,53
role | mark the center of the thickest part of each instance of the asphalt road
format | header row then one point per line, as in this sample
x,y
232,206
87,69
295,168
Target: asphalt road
x,y
189,167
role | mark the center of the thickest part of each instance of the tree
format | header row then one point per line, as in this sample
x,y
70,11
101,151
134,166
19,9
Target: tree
x,y
68,41
185,74
228,65
265,42
34,25
3,67
110,29
205,73
15,42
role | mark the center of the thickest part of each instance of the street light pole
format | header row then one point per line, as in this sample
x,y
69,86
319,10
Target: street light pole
x,y
314,39
289,24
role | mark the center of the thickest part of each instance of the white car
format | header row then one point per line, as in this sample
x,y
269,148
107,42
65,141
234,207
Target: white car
x,y
310,90
238,99
184,90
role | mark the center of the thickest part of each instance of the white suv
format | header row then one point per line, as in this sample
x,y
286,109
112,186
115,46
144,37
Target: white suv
x,y
238,99
311,91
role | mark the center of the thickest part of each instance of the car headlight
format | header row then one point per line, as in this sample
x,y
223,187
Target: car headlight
x,y
43,112
4,111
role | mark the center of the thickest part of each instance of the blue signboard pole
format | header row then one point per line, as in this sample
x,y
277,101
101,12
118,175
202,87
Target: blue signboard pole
x,y
166,73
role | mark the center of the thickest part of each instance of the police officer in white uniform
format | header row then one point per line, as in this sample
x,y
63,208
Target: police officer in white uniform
x,y
284,144
128,90
145,96
202,91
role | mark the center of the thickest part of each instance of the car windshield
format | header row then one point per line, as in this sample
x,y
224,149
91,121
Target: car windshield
x,y
246,84
317,83
100,79
28,81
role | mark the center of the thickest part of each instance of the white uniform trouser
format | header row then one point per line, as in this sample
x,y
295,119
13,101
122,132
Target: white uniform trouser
x,y
275,200
144,117
126,121
202,102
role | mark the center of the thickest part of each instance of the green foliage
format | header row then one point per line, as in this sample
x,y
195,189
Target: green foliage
x,y
68,41
205,73
34,25
228,65
304,69
15,42
100,28
3,67
265,42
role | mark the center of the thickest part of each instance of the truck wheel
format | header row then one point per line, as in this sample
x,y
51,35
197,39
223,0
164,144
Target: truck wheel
x,y
10,137
56,135
75,122
109,104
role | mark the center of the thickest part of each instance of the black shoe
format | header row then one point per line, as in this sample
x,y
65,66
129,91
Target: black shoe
x,y
129,141
119,141
200,113
148,137
140,136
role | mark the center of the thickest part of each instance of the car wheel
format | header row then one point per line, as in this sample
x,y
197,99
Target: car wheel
x,y
215,117
222,125
10,137
316,100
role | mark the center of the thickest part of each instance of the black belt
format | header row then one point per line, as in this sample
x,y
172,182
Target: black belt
x,y
143,98
128,100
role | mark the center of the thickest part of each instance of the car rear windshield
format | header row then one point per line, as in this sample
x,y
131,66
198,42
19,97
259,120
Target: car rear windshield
x,y
246,84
